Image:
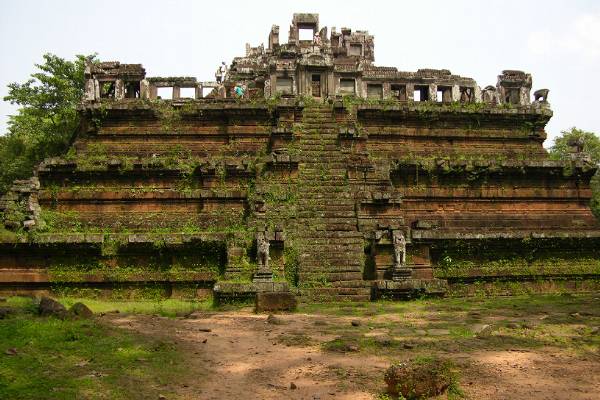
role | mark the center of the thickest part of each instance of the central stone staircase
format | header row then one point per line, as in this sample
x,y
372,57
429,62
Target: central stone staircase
x,y
331,247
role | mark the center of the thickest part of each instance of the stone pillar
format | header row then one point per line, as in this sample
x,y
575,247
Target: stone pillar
x,y
119,89
432,89
386,90
96,89
176,92
153,92
90,90
455,93
144,89
478,98
524,95
198,91
274,37
267,90
410,92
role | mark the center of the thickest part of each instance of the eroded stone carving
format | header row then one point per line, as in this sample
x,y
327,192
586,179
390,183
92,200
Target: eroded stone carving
x,y
400,271
541,95
490,95
263,272
262,245
399,243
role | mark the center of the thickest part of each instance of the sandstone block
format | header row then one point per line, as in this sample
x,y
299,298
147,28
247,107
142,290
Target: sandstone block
x,y
51,308
81,310
275,301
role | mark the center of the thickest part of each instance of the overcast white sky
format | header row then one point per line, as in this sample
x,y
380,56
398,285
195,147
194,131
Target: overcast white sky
x,y
558,42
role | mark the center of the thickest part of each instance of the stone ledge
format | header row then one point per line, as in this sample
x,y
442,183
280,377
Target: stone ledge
x,y
426,286
39,275
447,234
124,238
453,108
250,287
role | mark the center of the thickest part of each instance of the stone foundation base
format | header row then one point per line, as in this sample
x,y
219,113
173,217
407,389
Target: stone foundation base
x,y
275,301
225,292
409,288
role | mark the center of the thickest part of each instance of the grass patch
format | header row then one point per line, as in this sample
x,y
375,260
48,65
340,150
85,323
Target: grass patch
x,y
530,322
342,344
163,307
295,339
55,359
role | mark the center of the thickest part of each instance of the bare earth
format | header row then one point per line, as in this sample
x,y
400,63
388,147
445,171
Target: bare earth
x,y
244,357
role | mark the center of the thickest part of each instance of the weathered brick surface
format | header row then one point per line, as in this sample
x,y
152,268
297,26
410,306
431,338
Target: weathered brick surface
x,y
157,191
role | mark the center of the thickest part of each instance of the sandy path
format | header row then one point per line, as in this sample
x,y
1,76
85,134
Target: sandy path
x,y
243,357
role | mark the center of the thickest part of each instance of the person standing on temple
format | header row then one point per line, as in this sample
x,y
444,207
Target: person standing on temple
x,y
221,71
239,90
317,39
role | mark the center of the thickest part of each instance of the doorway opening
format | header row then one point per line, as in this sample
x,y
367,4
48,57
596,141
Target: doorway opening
x,y
316,85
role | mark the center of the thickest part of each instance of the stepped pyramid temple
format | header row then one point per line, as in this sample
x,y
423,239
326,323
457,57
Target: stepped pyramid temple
x,y
304,169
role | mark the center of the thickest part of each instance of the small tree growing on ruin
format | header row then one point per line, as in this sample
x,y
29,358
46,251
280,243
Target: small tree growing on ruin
x,y
47,116
589,144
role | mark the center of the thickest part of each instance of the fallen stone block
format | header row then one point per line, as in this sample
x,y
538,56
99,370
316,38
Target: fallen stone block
x,y
81,310
6,311
51,308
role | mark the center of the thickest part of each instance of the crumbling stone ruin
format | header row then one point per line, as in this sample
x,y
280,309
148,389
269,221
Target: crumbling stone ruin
x,y
310,169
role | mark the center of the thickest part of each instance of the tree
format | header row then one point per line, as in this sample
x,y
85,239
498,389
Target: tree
x,y
47,117
591,146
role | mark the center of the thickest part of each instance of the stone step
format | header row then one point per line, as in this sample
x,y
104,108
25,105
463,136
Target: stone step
x,y
317,131
320,195
323,248
336,299
325,201
333,220
336,194
334,261
323,241
329,255
322,147
344,290
317,173
350,284
305,204
320,127
338,235
330,265
331,276
333,194
320,268
316,160
327,214
315,229
307,165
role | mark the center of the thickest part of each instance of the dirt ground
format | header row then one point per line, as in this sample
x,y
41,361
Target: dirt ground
x,y
536,354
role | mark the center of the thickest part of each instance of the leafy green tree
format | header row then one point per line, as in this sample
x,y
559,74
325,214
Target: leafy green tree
x,y
46,119
591,146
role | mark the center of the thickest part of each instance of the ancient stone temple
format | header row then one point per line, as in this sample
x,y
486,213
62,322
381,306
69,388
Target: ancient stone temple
x,y
306,168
